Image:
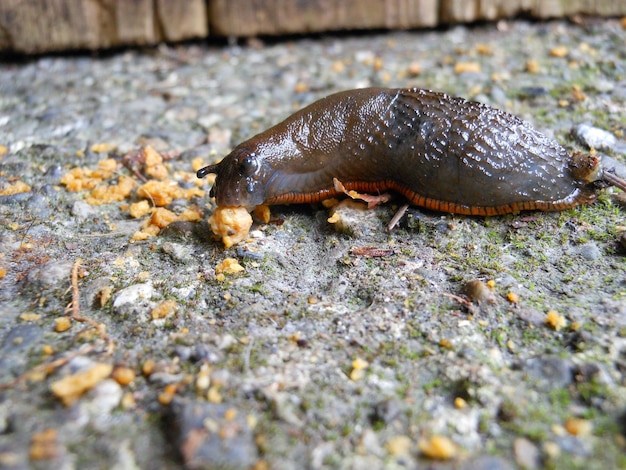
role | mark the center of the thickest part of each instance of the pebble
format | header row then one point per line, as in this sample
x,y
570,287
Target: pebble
x,y
51,274
573,445
354,219
54,173
530,315
550,372
589,251
498,96
38,205
479,292
20,338
210,435
103,398
386,411
133,294
135,300
594,137
244,251
526,454
487,462
82,210
15,198
16,341
177,251
199,352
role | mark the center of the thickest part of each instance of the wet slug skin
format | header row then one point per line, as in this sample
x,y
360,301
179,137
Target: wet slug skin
x,y
441,152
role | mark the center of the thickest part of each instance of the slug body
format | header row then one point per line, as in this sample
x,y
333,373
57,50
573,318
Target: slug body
x,y
440,152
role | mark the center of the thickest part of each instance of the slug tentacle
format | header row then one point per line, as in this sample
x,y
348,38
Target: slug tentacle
x,y
207,170
440,152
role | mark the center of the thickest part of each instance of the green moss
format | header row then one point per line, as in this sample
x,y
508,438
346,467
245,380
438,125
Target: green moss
x,y
560,397
592,389
432,385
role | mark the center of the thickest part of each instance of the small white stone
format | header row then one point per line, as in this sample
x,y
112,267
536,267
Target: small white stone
x,y
133,294
82,210
594,137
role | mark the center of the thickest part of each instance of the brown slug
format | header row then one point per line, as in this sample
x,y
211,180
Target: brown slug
x,y
441,152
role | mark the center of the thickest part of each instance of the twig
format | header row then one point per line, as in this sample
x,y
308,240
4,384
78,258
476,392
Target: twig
x,y
396,218
246,356
130,159
74,308
464,302
75,292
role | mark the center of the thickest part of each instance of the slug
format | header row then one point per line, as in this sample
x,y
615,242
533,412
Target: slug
x,y
442,153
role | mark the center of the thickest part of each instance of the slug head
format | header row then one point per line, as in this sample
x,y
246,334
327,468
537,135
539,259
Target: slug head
x,y
239,179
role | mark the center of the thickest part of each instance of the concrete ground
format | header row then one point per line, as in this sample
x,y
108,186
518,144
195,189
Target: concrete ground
x,y
452,342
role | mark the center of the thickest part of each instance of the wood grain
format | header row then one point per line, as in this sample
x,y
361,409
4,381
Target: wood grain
x,y
37,26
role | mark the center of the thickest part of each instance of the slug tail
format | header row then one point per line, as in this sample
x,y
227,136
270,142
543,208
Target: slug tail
x,y
611,178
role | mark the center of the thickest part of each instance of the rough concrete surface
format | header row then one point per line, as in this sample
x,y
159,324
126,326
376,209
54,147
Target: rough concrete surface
x,y
451,342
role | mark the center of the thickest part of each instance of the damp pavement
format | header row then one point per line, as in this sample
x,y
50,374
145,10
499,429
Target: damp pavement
x,y
451,342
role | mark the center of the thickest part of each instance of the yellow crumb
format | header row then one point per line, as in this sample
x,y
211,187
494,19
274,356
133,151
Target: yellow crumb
x,y
164,309
108,193
231,223
28,316
578,426
139,209
462,67
555,320
229,266
102,147
532,66
438,448
148,367
559,51
70,388
262,213
62,324
162,217
123,375
460,403
190,215
512,297
15,188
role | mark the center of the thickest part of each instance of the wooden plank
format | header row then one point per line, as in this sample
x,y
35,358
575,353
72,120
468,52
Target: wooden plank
x,y
459,11
34,26
274,17
179,20
255,17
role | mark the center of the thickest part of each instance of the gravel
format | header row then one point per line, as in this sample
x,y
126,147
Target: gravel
x,y
329,345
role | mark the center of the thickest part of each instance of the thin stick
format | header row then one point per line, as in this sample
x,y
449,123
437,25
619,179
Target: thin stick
x,y
396,218
74,308
75,292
